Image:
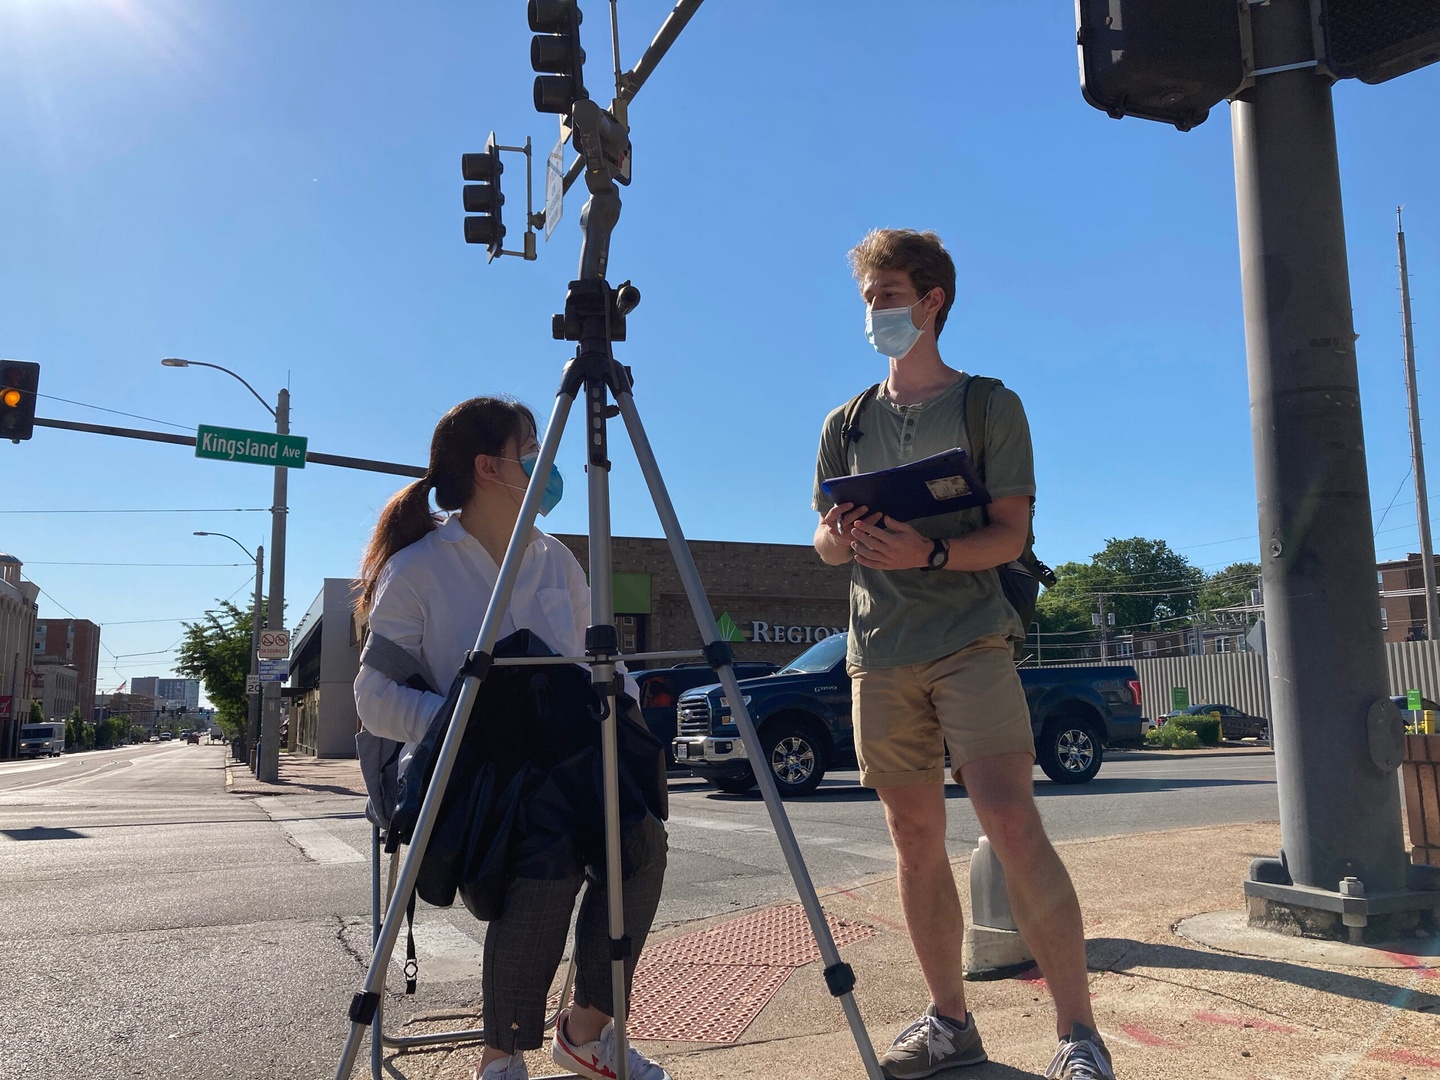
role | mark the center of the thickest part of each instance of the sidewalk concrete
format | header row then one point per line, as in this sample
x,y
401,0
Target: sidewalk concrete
x,y
299,775
1169,1006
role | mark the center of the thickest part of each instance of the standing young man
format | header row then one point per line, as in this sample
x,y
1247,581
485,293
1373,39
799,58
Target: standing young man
x,y
930,662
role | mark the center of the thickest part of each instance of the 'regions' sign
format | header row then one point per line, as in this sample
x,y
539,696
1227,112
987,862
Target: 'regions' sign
x,y
793,635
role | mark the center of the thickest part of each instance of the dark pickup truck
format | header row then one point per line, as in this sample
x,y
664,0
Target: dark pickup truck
x,y
802,713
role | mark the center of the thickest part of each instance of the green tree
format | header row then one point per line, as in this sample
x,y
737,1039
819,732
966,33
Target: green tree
x,y
1141,580
37,713
1229,587
217,651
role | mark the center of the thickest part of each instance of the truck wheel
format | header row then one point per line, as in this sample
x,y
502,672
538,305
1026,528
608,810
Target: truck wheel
x,y
732,785
1069,750
796,757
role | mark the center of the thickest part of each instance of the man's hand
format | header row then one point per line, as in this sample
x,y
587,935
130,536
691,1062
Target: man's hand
x,y
834,534
886,544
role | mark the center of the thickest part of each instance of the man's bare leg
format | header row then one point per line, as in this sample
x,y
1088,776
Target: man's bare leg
x,y
916,816
1042,899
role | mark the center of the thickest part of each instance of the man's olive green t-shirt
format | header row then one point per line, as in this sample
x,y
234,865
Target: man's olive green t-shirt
x,y
902,617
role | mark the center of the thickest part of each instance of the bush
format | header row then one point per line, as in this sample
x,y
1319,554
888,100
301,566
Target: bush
x,y
1170,736
1206,727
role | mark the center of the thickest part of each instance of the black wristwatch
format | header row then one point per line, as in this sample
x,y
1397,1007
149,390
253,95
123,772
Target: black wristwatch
x,y
939,556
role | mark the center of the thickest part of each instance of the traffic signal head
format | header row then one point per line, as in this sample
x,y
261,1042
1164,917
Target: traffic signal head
x,y
555,51
19,384
483,198
1166,60
1373,41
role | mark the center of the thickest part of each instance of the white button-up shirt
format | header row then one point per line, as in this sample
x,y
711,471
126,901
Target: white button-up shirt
x,y
430,600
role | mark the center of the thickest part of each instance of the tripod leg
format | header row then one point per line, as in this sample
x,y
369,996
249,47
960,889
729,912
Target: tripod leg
x,y
602,615
365,1003
838,976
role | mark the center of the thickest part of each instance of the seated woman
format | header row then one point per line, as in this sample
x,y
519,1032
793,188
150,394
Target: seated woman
x,y
426,581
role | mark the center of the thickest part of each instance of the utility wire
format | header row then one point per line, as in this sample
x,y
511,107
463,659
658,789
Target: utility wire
x,y
135,564
195,510
117,412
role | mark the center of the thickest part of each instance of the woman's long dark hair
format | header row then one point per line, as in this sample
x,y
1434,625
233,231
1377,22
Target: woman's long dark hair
x,y
481,425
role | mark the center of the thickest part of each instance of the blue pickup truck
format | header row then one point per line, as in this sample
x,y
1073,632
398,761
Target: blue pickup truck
x,y
802,714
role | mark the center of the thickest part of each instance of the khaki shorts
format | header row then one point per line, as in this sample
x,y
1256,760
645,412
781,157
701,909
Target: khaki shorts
x,y
905,717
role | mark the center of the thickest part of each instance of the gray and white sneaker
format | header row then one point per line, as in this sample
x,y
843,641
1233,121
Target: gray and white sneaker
x,y
932,1044
1081,1056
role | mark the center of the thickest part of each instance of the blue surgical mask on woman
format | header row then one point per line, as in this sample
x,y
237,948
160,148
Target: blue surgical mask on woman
x,y
891,330
554,486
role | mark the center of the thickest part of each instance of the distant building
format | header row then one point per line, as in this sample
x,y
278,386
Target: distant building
x,y
55,687
324,660
75,642
176,693
143,710
17,633
1402,597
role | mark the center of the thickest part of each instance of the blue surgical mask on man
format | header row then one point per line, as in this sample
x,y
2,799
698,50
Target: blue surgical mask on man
x,y
891,330
554,486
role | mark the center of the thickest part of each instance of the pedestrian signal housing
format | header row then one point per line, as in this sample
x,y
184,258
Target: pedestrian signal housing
x,y
1376,40
1165,60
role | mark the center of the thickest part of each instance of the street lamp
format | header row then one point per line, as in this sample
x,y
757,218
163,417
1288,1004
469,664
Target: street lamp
x,y
267,761
252,720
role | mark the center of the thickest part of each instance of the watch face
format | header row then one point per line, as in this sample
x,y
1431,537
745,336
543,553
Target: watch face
x,y
938,557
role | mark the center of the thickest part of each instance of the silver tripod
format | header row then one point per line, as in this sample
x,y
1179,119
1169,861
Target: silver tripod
x,y
594,317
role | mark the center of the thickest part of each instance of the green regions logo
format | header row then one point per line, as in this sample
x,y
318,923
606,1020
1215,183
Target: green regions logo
x,y
728,630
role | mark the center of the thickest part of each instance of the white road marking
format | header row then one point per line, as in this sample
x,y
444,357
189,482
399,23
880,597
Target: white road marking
x,y
318,844
447,954
882,852
10,769
714,824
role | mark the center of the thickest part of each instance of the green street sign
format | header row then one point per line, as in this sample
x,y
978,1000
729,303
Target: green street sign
x,y
1179,698
1412,701
251,447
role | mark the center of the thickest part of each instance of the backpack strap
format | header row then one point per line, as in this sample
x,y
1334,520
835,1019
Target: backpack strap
x,y
977,411
849,424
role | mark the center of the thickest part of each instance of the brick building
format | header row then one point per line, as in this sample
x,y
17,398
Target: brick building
x,y
771,600
1402,597
75,642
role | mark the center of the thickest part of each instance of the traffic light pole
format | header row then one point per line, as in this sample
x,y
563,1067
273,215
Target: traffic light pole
x,y
252,720
267,763
1337,735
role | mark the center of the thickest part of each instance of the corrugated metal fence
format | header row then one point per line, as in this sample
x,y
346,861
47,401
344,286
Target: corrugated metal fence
x,y
1239,679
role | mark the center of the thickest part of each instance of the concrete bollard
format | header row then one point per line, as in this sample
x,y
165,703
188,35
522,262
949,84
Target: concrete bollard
x,y
993,947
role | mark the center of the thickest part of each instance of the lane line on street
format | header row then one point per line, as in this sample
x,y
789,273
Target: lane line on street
x,y
318,844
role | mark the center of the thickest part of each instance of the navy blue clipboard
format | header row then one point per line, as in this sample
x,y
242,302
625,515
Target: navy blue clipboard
x,y
938,484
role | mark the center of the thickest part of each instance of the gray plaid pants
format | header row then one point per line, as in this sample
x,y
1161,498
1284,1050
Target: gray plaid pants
x,y
524,946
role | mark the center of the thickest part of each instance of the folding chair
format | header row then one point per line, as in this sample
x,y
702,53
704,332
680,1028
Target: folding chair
x,y
379,759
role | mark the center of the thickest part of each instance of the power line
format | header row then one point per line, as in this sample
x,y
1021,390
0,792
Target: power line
x,y
195,510
135,564
117,412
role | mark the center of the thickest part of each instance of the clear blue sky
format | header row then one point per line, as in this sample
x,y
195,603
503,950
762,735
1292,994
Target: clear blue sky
x,y
275,187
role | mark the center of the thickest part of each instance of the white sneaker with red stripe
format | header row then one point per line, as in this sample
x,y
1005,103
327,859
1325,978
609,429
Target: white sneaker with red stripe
x,y
596,1060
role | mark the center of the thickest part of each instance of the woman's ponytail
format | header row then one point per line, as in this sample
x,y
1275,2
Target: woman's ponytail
x,y
407,517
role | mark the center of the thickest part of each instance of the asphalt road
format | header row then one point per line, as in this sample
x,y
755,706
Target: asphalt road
x,y
154,925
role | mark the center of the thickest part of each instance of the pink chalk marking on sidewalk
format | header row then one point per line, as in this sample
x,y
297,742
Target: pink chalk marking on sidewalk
x,y
1242,1022
1403,1057
1149,1038
1415,963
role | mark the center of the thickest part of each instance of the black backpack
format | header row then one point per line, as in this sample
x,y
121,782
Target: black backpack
x,y
1020,579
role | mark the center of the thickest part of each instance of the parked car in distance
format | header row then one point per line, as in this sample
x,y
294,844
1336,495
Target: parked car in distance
x,y
660,690
1235,724
802,715
166,736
